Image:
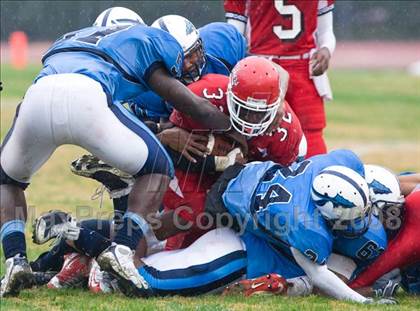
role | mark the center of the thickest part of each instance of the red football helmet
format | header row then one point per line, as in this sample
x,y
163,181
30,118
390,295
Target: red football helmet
x,y
253,95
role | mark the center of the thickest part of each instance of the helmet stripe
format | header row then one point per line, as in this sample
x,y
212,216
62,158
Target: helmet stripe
x,y
350,181
106,16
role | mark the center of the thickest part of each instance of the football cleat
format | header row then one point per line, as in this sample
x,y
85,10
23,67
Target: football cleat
x,y
118,260
42,278
269,284
74,273
116,182
101,281
54,224
17,277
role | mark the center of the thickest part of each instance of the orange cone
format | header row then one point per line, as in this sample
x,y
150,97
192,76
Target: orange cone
x,y
18,43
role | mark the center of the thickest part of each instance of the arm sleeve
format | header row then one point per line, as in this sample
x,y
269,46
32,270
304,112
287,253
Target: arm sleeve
x,y
239,25
235,9
326,280
325,33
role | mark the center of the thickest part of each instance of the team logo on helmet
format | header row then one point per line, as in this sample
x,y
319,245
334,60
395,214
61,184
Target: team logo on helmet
x,y
189,27
234,77
379,188
337,200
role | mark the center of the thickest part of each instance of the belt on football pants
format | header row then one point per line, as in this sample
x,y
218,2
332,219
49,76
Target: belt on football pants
x,y
286,57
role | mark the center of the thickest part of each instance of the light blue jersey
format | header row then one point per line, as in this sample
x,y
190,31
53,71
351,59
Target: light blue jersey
x,y
224,46
121,58
275,203
223,42
365,248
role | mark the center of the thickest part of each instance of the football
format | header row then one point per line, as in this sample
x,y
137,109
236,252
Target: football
x,y
220,145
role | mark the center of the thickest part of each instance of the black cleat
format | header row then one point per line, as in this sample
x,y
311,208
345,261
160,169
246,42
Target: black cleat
x,y
115,181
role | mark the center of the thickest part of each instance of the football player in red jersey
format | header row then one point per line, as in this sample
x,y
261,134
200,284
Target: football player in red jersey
x,y
298,35
244,96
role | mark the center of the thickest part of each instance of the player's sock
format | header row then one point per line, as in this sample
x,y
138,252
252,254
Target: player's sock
x,y
91,243
131,230
54,259
103,227
12,235
120,207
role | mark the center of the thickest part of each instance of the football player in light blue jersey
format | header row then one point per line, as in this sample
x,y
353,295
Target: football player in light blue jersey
x,y
278,205
76,100
220,256
216,47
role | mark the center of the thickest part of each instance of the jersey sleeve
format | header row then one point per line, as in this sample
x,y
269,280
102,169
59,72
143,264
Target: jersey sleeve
x,y
365,248
325,6
312,240
285,142
235,9
160,50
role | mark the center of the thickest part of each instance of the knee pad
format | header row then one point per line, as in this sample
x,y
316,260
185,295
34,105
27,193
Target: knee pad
x,y
7,180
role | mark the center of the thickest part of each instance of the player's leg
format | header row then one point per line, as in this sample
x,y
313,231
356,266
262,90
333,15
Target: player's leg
x,y
307,104
210,263
121,140
28,144
402,250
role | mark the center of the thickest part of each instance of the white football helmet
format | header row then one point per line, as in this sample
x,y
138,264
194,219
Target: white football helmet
x,y
188,37
384,187
342,197
118,16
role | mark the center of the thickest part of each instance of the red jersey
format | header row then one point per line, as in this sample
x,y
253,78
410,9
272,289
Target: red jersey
x,y
282,27
282,146
187,191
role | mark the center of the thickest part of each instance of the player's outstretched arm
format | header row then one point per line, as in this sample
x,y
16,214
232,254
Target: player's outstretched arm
x,y
187,102
326,280
408,183
193,106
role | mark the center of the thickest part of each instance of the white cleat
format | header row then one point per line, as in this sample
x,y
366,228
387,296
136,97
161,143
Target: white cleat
x,y
54,224
17,277
118,260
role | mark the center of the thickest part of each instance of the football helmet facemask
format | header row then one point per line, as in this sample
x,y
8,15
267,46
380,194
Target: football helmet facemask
x,y
253,95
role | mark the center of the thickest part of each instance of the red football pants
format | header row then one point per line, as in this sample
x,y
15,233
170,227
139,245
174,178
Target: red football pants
x,y
402,251
306,103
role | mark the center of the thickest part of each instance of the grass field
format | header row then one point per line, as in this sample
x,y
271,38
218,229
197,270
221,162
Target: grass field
x,y
377,114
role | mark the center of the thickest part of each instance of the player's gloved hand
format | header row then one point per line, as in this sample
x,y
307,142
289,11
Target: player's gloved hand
x,y
388,284
223,162
319,62
186,143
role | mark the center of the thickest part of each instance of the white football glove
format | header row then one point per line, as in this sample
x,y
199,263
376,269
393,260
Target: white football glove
x,y
223,162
